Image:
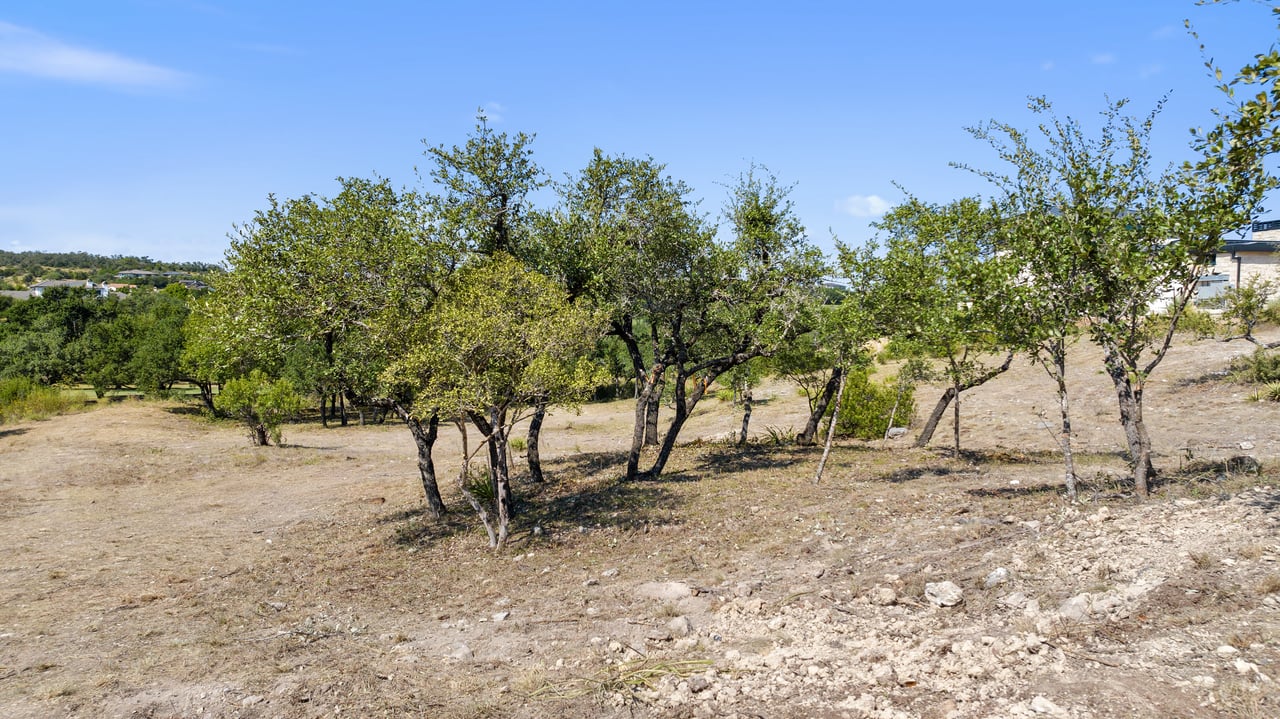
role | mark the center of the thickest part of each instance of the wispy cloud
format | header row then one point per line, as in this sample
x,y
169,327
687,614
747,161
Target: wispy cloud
x,y
27,52
495,111
1047,65
1102,58
1165,31
1150,70
864,205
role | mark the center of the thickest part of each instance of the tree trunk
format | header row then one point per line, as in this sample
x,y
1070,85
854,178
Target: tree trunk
x,y
258,433
342,407
809,436
498,451
746,416
647,387
952,392
499,476
535,434
1064,406
206,395
1135,429
955,403
425,439
651,414
831,432
324,419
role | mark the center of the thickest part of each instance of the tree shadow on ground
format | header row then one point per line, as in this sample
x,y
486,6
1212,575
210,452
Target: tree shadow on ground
x,y
750,458
908,474
1019,491
187,410
553,506
13,432
583,463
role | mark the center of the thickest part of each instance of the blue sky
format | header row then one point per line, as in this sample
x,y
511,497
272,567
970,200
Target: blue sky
x,y
150,127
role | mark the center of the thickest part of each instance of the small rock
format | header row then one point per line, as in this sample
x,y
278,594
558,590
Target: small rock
x,y
1246,445
884,675
943,594
680,626
998,576
896,432
251,700
1076,608
882,597
461,652
743,589
1015,600
1040,705
698,684
1226,650
608,573
501,616
664,591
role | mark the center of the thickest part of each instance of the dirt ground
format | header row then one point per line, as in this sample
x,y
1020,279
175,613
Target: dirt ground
x,y
159,566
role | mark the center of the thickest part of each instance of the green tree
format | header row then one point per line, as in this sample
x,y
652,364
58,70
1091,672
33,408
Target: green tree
x,y
499,339
1092,223
935,290
260,404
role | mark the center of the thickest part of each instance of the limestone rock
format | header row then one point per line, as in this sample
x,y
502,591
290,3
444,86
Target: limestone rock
x,y
943,594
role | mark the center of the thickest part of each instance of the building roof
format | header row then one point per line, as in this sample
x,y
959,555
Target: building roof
x,y
62,283
1250,246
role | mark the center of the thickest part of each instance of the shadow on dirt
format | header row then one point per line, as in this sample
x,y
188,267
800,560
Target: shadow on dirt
x,y
750,458
583,463
187,410
1019,491
13,432
908,474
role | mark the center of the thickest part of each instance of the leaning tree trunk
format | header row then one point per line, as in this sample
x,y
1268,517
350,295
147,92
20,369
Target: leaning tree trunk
x,y
809,436
831,432
425,439
682,410
951,393
535,434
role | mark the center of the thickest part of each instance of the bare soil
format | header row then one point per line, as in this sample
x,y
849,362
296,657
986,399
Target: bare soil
x,y
159,566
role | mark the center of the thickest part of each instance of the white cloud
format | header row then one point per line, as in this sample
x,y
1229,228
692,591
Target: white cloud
x,y
1150,70
864,205
27,52
1102,58
494,111
1047,65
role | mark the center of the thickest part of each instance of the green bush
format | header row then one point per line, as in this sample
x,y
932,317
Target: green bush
x,y
1261,367
865,408
261,404
21,398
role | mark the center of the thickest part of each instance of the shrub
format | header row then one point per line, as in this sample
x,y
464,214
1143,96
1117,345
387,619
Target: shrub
x,y
867,404
1261,367
21,398
262,405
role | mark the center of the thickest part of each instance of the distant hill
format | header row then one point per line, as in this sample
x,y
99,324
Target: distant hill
x,y
23,268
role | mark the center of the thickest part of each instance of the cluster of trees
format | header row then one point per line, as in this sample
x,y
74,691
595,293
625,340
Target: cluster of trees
x,y
466,304
72,336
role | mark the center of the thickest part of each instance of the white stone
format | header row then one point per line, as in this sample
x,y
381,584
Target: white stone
x,y
943,594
